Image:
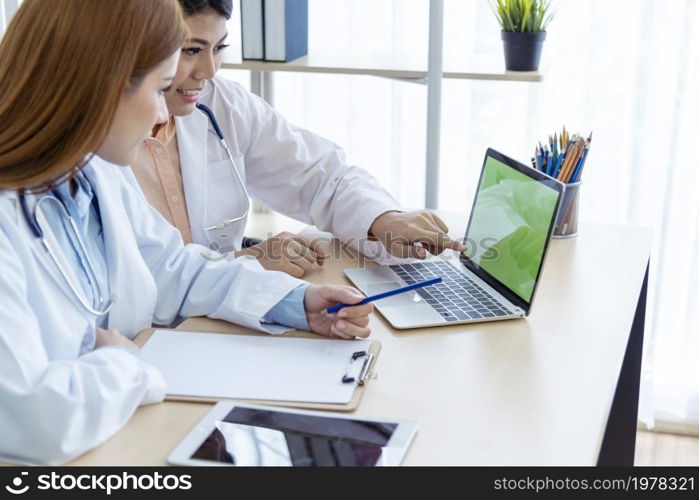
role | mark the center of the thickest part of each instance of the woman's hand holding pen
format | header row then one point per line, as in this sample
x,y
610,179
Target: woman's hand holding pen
x,y
348,323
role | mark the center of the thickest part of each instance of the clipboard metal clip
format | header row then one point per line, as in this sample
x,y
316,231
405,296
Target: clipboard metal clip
x,y
365,371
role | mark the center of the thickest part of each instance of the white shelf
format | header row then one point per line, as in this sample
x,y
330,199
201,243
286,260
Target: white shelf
x,y
386,65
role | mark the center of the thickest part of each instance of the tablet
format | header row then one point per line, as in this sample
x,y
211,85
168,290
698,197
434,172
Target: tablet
x,y
246,435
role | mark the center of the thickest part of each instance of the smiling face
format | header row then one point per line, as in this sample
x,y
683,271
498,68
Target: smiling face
x,y
139,110
199,61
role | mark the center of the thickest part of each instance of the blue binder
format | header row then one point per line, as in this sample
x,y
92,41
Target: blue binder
x,y
286,29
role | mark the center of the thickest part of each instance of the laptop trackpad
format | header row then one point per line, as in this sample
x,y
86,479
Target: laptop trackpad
x,y
403,299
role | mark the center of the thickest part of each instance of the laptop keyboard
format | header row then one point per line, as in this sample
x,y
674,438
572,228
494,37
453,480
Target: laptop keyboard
x,y
457,297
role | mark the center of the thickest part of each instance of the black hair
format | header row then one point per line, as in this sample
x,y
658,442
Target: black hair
x,y
223,7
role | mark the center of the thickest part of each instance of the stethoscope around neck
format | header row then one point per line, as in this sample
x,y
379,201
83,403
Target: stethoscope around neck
x,y
217,130
37,231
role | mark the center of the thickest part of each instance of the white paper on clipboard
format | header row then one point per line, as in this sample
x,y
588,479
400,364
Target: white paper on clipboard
x,y
210,365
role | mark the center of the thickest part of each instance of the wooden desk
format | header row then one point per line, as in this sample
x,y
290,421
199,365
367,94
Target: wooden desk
x,y
541,391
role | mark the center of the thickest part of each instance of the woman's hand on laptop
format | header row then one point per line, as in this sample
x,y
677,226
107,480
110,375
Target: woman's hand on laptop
x,y
399,231
347,323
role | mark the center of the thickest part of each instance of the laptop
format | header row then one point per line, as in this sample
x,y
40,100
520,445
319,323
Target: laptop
x,y
508,233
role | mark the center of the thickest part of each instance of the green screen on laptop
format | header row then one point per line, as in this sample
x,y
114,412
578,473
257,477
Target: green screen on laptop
x,y
509,226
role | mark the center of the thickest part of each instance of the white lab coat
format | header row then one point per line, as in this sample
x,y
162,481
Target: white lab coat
x,y
55,404
289,169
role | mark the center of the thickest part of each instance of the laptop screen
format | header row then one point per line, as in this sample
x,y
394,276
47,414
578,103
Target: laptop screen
x,y
511,221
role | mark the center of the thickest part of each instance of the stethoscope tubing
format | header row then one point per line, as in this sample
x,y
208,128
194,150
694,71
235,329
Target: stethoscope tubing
x,y
217,130
38,233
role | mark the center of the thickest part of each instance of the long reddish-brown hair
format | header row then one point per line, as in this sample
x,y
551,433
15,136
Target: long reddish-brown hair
x,y
64,66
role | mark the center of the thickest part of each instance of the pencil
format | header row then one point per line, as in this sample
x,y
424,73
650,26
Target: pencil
x,y
566,160
574,157
576,153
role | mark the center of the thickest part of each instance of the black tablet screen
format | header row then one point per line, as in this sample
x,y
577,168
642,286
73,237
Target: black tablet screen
x,y
256,437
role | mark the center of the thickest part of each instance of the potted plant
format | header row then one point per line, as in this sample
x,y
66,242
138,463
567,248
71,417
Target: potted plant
x,y
523,25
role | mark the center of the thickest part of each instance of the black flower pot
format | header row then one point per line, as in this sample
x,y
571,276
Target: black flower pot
x,y
523,50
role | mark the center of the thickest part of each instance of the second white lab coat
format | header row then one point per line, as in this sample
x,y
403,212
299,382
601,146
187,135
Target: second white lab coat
x,y
55,403
287,168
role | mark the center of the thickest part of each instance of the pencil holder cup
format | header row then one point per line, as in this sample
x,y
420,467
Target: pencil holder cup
x,y
567,221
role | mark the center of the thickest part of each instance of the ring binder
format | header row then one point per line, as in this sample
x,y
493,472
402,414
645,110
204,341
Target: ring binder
x,y
365,371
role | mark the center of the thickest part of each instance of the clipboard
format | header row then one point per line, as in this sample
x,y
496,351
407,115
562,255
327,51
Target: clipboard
x,y
358,370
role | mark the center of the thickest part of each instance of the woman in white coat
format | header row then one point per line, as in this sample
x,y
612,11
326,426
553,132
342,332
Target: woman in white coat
x,y
185,173
85,262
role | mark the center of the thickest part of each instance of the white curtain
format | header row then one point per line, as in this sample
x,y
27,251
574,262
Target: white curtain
x,y
3,18
627,70
7,8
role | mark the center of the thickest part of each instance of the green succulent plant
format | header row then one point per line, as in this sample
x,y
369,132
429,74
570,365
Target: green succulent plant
x,y
522,16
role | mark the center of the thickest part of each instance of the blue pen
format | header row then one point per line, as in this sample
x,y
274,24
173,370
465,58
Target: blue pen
x,y
336,308
557,167
552,167
581,164
555,159
574,175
